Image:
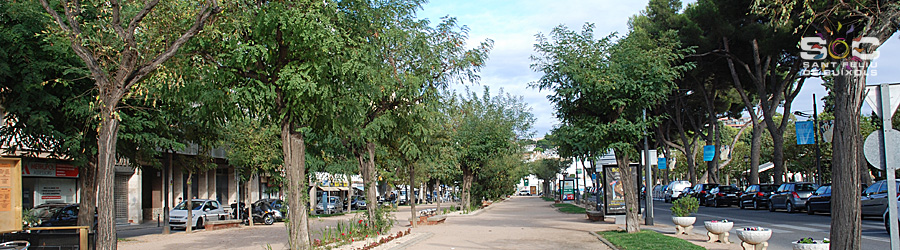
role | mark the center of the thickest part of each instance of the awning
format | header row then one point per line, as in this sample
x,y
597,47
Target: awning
x,y
331,189
763,167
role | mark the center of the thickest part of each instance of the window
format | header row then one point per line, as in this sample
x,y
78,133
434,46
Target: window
x,y
782,188
727,189
822,190
828,191
872,189
213,205
767,188
805,187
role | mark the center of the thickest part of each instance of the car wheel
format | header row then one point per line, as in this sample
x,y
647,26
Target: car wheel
x,y
887,225
199,223
809,210
268,220
789,207
771,207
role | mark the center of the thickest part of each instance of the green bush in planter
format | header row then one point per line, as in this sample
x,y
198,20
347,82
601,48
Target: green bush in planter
x,y
684,207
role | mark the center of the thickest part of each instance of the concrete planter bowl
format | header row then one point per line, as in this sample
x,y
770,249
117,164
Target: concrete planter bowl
x,y
754,237
811,246
684,221
718,227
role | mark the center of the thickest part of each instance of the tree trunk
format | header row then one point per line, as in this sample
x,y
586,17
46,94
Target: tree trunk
x,y
247,204
845,206
712,138
295,170
468,177
688,154
632,208
87,206
369,182
437,197
109,128
189,204
412,201
755,149
778,157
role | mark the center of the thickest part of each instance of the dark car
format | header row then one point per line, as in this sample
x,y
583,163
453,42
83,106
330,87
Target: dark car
x,y
278,205
699,191
61,216
820,200
874,200
722,195
756,196
791,196
265,213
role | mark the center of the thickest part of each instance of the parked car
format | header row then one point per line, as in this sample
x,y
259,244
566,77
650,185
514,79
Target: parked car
x,y
722,195
57,214
756,196
699,192
791,196
874,200
524,192
659,191
202,210
334,205
820,200
673,190
358,203
46,211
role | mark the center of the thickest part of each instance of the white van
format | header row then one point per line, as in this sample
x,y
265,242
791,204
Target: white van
x,y
673,191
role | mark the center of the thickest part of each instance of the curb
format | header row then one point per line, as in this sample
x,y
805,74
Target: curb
x,y
419,238
609,244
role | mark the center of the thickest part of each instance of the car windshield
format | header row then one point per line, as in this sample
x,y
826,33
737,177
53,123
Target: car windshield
x,y
196,206
727,189
806,187
709,186
767,188
44,213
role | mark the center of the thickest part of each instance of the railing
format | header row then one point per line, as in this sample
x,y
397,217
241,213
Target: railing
x,y
82,233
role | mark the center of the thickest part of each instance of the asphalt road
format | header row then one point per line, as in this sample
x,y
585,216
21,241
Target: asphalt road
x,y
786,228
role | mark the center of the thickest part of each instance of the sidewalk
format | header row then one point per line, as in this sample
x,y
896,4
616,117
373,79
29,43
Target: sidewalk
x,y
518,223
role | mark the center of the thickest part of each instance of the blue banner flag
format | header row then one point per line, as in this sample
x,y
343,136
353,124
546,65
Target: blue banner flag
x,y
805,133
661,163
709,152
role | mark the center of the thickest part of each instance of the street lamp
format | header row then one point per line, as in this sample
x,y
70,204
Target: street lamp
x,y
815,139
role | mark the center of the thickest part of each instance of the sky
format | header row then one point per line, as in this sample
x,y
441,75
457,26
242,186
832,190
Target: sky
x,y
512,25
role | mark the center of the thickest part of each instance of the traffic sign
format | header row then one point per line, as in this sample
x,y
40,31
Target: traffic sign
x,y
873,145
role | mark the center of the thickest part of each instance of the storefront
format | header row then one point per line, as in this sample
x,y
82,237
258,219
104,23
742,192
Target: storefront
x,y
48,182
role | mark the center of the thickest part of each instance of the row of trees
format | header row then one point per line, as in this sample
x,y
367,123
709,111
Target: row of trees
x,y
715,59
289,87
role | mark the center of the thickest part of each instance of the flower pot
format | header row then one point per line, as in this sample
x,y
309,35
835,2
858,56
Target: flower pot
x,y
595,215
811,246
718,227
754,237
684,221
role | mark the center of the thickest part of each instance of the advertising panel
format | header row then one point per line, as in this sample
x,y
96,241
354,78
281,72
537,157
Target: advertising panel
x,y
613,191
568,189
10,200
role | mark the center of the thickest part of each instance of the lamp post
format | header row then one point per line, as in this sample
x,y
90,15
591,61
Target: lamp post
x,y
819,173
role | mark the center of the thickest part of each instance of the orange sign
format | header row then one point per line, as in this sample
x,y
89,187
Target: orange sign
x,y
10,195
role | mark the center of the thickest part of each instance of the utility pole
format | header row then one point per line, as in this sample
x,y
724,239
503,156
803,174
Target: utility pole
x,y
648,196
819,174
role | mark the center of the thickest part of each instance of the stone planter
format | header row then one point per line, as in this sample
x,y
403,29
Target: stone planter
x,y
595,215
755,240
718,231
811,246
684,225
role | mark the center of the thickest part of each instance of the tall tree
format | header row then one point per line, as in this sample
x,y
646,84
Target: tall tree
x,y
489,128
119,57
606,85
878,19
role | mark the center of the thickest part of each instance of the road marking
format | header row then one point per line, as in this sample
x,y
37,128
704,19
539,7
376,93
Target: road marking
x,y
876,239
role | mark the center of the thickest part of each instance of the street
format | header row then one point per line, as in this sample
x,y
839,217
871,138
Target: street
x,y
786,228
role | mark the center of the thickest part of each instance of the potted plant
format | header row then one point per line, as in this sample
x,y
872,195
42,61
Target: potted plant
x,y
681,209
812,244
754,237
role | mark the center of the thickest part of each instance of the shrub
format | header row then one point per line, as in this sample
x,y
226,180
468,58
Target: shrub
x,y
684,207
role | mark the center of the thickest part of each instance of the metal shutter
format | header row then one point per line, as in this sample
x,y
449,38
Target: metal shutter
x,y
121,197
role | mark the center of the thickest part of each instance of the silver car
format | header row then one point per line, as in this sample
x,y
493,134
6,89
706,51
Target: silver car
x,y
874,200
673,191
